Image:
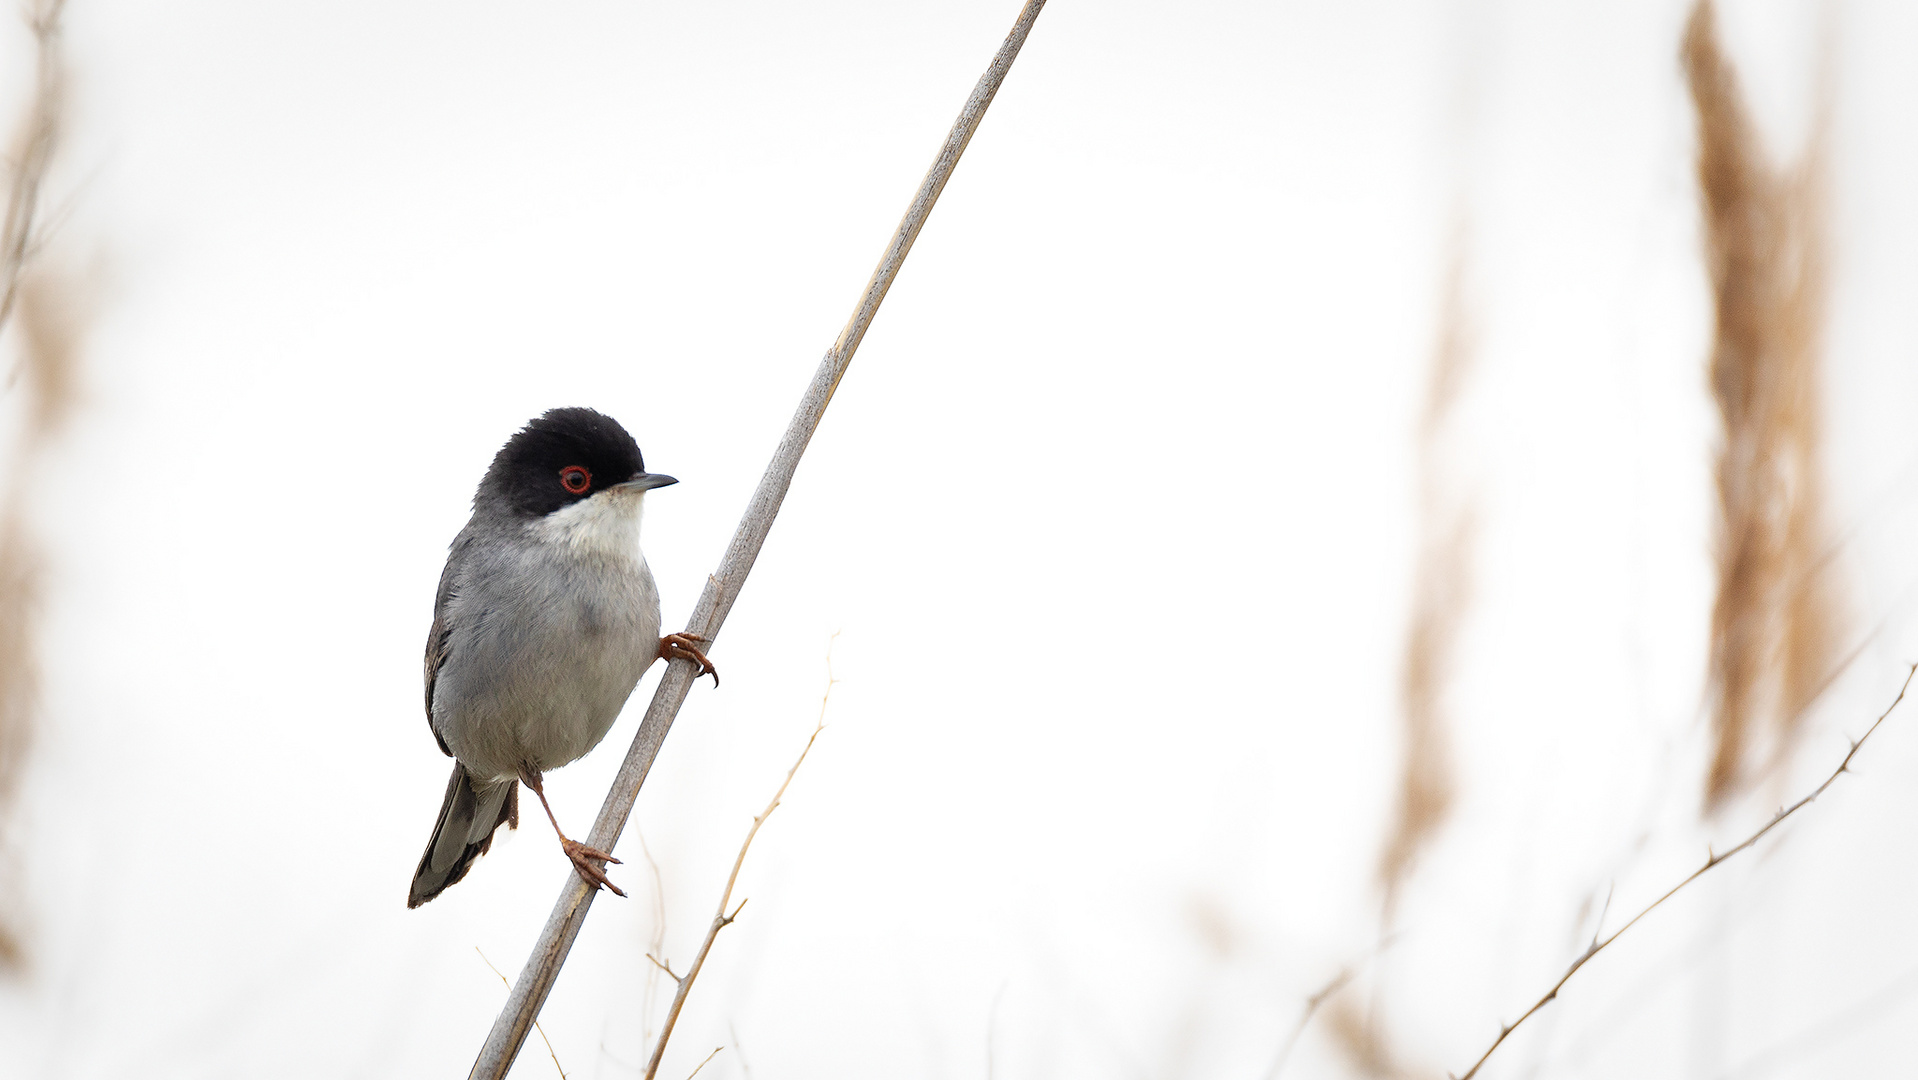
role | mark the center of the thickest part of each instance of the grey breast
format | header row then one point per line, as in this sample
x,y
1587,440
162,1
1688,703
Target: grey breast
x,y
546,644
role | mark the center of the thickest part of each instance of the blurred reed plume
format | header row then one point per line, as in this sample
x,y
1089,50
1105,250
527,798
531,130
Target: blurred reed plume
x,y
1356,1034
1775,621
1441,595
1363,1040
1441,592
46,344
48,321
18,691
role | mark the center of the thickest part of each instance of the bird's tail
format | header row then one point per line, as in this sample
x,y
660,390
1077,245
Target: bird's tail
x,y
468,818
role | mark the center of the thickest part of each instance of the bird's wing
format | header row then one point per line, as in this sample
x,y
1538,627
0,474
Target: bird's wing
x,y
439,639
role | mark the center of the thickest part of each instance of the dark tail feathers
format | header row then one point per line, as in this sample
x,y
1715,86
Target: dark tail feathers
x,y
468,819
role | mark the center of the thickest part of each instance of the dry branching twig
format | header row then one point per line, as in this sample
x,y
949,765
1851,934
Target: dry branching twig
x,y
33,150
723,587
1354,1040
721,920
1775,619
1711,860
1311,1006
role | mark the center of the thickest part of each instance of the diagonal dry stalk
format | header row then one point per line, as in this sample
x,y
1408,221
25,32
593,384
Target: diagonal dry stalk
x,y
721,920
1598,944
722,588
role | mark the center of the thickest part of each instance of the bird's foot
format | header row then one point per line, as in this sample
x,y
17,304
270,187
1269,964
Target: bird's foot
x,y
685,646
583,860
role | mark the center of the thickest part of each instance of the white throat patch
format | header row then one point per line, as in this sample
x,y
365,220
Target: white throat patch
x,y
606,524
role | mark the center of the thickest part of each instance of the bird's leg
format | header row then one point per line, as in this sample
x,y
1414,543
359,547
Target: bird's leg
x,y
685,646
582,856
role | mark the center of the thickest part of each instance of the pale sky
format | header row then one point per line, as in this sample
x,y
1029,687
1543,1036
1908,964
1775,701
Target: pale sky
x,y
1114,518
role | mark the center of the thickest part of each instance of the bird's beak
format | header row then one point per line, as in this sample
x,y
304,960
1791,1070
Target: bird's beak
x,y
646,481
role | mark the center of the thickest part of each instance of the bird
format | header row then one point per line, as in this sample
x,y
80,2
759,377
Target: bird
x,y
546,617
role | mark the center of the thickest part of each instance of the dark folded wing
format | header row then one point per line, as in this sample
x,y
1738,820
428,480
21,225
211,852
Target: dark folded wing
x,y
439,641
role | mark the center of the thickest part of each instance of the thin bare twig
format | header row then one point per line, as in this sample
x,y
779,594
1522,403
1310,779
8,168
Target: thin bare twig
x,y
18,237
1711,859
1324,994
658,943
739,1052
721,920
702,1063
536,1027
722,588
1311,1007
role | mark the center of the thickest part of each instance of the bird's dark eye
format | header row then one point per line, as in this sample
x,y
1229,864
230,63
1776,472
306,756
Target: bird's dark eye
x,y
575,479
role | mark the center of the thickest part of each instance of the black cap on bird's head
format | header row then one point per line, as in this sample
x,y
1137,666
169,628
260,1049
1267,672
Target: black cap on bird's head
x,y
561,457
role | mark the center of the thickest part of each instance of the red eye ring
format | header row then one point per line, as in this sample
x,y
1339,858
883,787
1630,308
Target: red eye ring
x,y
575,479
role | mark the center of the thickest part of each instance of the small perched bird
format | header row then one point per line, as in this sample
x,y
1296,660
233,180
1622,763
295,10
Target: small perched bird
x,y
546,617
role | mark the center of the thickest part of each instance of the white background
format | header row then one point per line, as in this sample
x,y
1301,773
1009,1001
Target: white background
x,y
1114,517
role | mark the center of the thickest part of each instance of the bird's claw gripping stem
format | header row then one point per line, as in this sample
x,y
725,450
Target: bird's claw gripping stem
x,y
583,860
685,646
